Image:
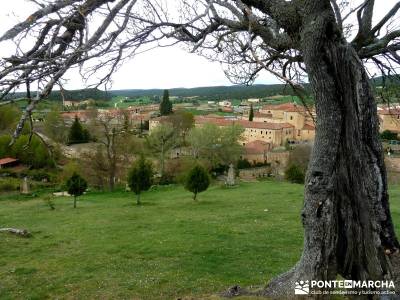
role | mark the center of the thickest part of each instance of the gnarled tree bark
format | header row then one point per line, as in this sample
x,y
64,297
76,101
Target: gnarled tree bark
x,y
346,217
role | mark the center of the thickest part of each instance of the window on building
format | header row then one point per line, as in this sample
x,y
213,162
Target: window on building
x,y
291,117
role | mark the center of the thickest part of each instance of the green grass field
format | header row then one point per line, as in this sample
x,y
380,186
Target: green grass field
x,y
171,247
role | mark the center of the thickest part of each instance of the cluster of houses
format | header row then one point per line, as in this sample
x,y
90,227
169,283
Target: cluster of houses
x,y
272,127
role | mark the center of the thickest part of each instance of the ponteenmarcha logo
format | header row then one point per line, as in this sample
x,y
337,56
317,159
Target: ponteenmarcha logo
x,y
306,287
302,288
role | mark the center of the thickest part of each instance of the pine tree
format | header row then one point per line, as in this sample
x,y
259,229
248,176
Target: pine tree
x,y
76,186
140,177
166,104
197,180
76,134
251,113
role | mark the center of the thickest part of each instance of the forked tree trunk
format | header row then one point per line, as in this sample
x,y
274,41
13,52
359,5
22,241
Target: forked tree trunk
x,y
346,217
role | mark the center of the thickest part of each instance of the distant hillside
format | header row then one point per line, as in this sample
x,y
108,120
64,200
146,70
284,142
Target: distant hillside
x,y
202,93
76,95
214,92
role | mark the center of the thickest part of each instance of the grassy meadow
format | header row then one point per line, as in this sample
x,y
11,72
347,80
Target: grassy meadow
x,y
170,247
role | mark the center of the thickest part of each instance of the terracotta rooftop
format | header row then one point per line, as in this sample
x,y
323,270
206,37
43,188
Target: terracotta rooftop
x,y
262,115
288,107
387,111
7,160
72,114
308,127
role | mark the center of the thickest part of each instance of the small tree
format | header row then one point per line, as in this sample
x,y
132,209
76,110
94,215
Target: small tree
x,y
197,180
76,186
140,177
388,135
161,140
77,134
251,113
166,104
294,174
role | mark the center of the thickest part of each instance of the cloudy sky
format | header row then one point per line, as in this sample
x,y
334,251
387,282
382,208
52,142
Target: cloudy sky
x,y
160,68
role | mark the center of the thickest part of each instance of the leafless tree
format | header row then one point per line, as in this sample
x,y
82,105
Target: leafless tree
x,y
346,215
111,129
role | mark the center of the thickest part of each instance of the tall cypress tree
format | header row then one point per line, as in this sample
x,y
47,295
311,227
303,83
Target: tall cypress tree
x,y
77,134
166,104
251,113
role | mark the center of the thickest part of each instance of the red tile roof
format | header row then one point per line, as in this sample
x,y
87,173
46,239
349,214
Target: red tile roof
x,y
392,111
7,160
308,127
72,114
262,115
288,107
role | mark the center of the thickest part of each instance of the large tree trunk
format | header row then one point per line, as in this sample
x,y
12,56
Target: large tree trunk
x,y
346,217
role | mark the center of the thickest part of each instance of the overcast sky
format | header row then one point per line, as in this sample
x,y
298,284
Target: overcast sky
x,y
160,68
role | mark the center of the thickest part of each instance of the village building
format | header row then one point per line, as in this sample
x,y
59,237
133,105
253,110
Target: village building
x,y
256,151
8,162
76,103
274,133
389,119
253,100
116,116
225,103
300,117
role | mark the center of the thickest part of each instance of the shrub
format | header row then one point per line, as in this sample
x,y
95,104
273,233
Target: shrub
x,y
140,177
294,174
197,180
76,186
177,169
39,175
77,134
9,185
33,153
300,156
388,135
243,164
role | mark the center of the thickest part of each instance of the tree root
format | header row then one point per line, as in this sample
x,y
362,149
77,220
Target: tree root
x,y
235,291
19,232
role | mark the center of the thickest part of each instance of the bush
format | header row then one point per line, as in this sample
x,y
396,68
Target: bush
x,y
243,164
76,186
8,173
33,153
300,156
177,169
9,185
40,175
294,174
388,135
197,180
140,177
77,134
